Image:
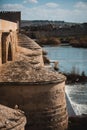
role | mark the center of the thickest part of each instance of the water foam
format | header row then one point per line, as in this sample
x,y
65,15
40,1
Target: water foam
x,y
78,108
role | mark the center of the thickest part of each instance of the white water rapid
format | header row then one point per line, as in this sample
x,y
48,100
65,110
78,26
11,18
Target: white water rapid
x,y
77,96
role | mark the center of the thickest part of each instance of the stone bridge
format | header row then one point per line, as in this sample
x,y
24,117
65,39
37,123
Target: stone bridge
x,y
25,81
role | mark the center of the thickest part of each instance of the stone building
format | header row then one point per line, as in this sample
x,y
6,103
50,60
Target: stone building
x,y
24,80
11,119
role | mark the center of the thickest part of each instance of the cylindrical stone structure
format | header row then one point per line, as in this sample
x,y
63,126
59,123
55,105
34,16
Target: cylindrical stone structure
x,y
47,107
39,92
44,104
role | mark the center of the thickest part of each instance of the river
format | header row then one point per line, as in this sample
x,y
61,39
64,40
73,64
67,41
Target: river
x,y
72,59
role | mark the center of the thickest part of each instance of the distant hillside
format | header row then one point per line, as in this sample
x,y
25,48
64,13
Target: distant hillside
x,y
45,22
73,33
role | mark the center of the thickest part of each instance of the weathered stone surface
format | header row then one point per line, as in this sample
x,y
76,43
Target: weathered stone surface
x,y
26,42
8,46
11,119
22,70
10,20
28,47
44,104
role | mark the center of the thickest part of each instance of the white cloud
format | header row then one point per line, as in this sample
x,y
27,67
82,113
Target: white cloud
x,y
14,7
81,5
52,5
30,1
11,7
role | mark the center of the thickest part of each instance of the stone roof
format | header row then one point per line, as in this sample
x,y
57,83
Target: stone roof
x,y
22,71
11,119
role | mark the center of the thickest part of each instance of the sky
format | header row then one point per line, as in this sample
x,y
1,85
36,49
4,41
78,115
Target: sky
x,y
61,10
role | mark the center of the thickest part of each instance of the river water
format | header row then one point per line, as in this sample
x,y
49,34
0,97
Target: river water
x,y
72,59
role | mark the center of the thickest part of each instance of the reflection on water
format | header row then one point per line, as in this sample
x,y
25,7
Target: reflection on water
x,y
69,58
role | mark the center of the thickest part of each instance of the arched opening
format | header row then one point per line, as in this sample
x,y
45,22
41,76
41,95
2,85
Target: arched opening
x,y
9,58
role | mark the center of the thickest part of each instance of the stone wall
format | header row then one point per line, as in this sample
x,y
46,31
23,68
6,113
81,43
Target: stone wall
x,y
5,25
10,46
44,104
12,16
9,24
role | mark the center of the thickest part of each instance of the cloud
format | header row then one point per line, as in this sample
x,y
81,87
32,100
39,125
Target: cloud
x,y
52,5
42,12
81,5
14,7
30,1
11,7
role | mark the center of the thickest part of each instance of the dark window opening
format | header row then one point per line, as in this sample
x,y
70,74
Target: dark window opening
x,y
3,53
9,52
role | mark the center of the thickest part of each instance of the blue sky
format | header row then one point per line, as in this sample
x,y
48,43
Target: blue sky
x,y
67,10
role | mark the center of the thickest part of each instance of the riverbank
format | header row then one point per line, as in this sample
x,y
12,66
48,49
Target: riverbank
x,y
75,78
